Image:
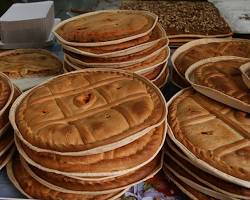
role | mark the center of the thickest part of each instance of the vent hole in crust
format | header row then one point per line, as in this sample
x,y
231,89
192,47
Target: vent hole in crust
x,y
107,116
207,133
84,99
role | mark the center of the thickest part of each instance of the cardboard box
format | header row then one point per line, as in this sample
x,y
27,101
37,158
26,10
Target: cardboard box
x,y
27,22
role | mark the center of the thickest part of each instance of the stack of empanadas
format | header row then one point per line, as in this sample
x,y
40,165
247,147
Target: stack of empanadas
x,y
87,134
206,153
122,39
188,54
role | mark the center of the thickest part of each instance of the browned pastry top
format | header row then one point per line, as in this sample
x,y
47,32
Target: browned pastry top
x,y
28,62
77,111
106,26
213,132
116,47
37,190
240,48
154,35
224,76
184,17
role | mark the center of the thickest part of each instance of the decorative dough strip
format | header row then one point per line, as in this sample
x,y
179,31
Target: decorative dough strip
x,y
226,149
91,112
198,120
77,91
220,116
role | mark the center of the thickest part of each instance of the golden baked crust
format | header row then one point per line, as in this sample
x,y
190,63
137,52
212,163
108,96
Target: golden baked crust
x,y
185,59
117,47
106,26
213,180
77,111
154,35
123,48
35,189
123,158
29,62
116,183
224,76
213,132
126,58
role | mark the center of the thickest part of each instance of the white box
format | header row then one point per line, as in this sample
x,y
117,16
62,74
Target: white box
x,y
27,22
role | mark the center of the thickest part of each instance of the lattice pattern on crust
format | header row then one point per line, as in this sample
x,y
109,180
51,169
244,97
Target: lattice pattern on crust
x,y
212,49
225,77
213,132
79,111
